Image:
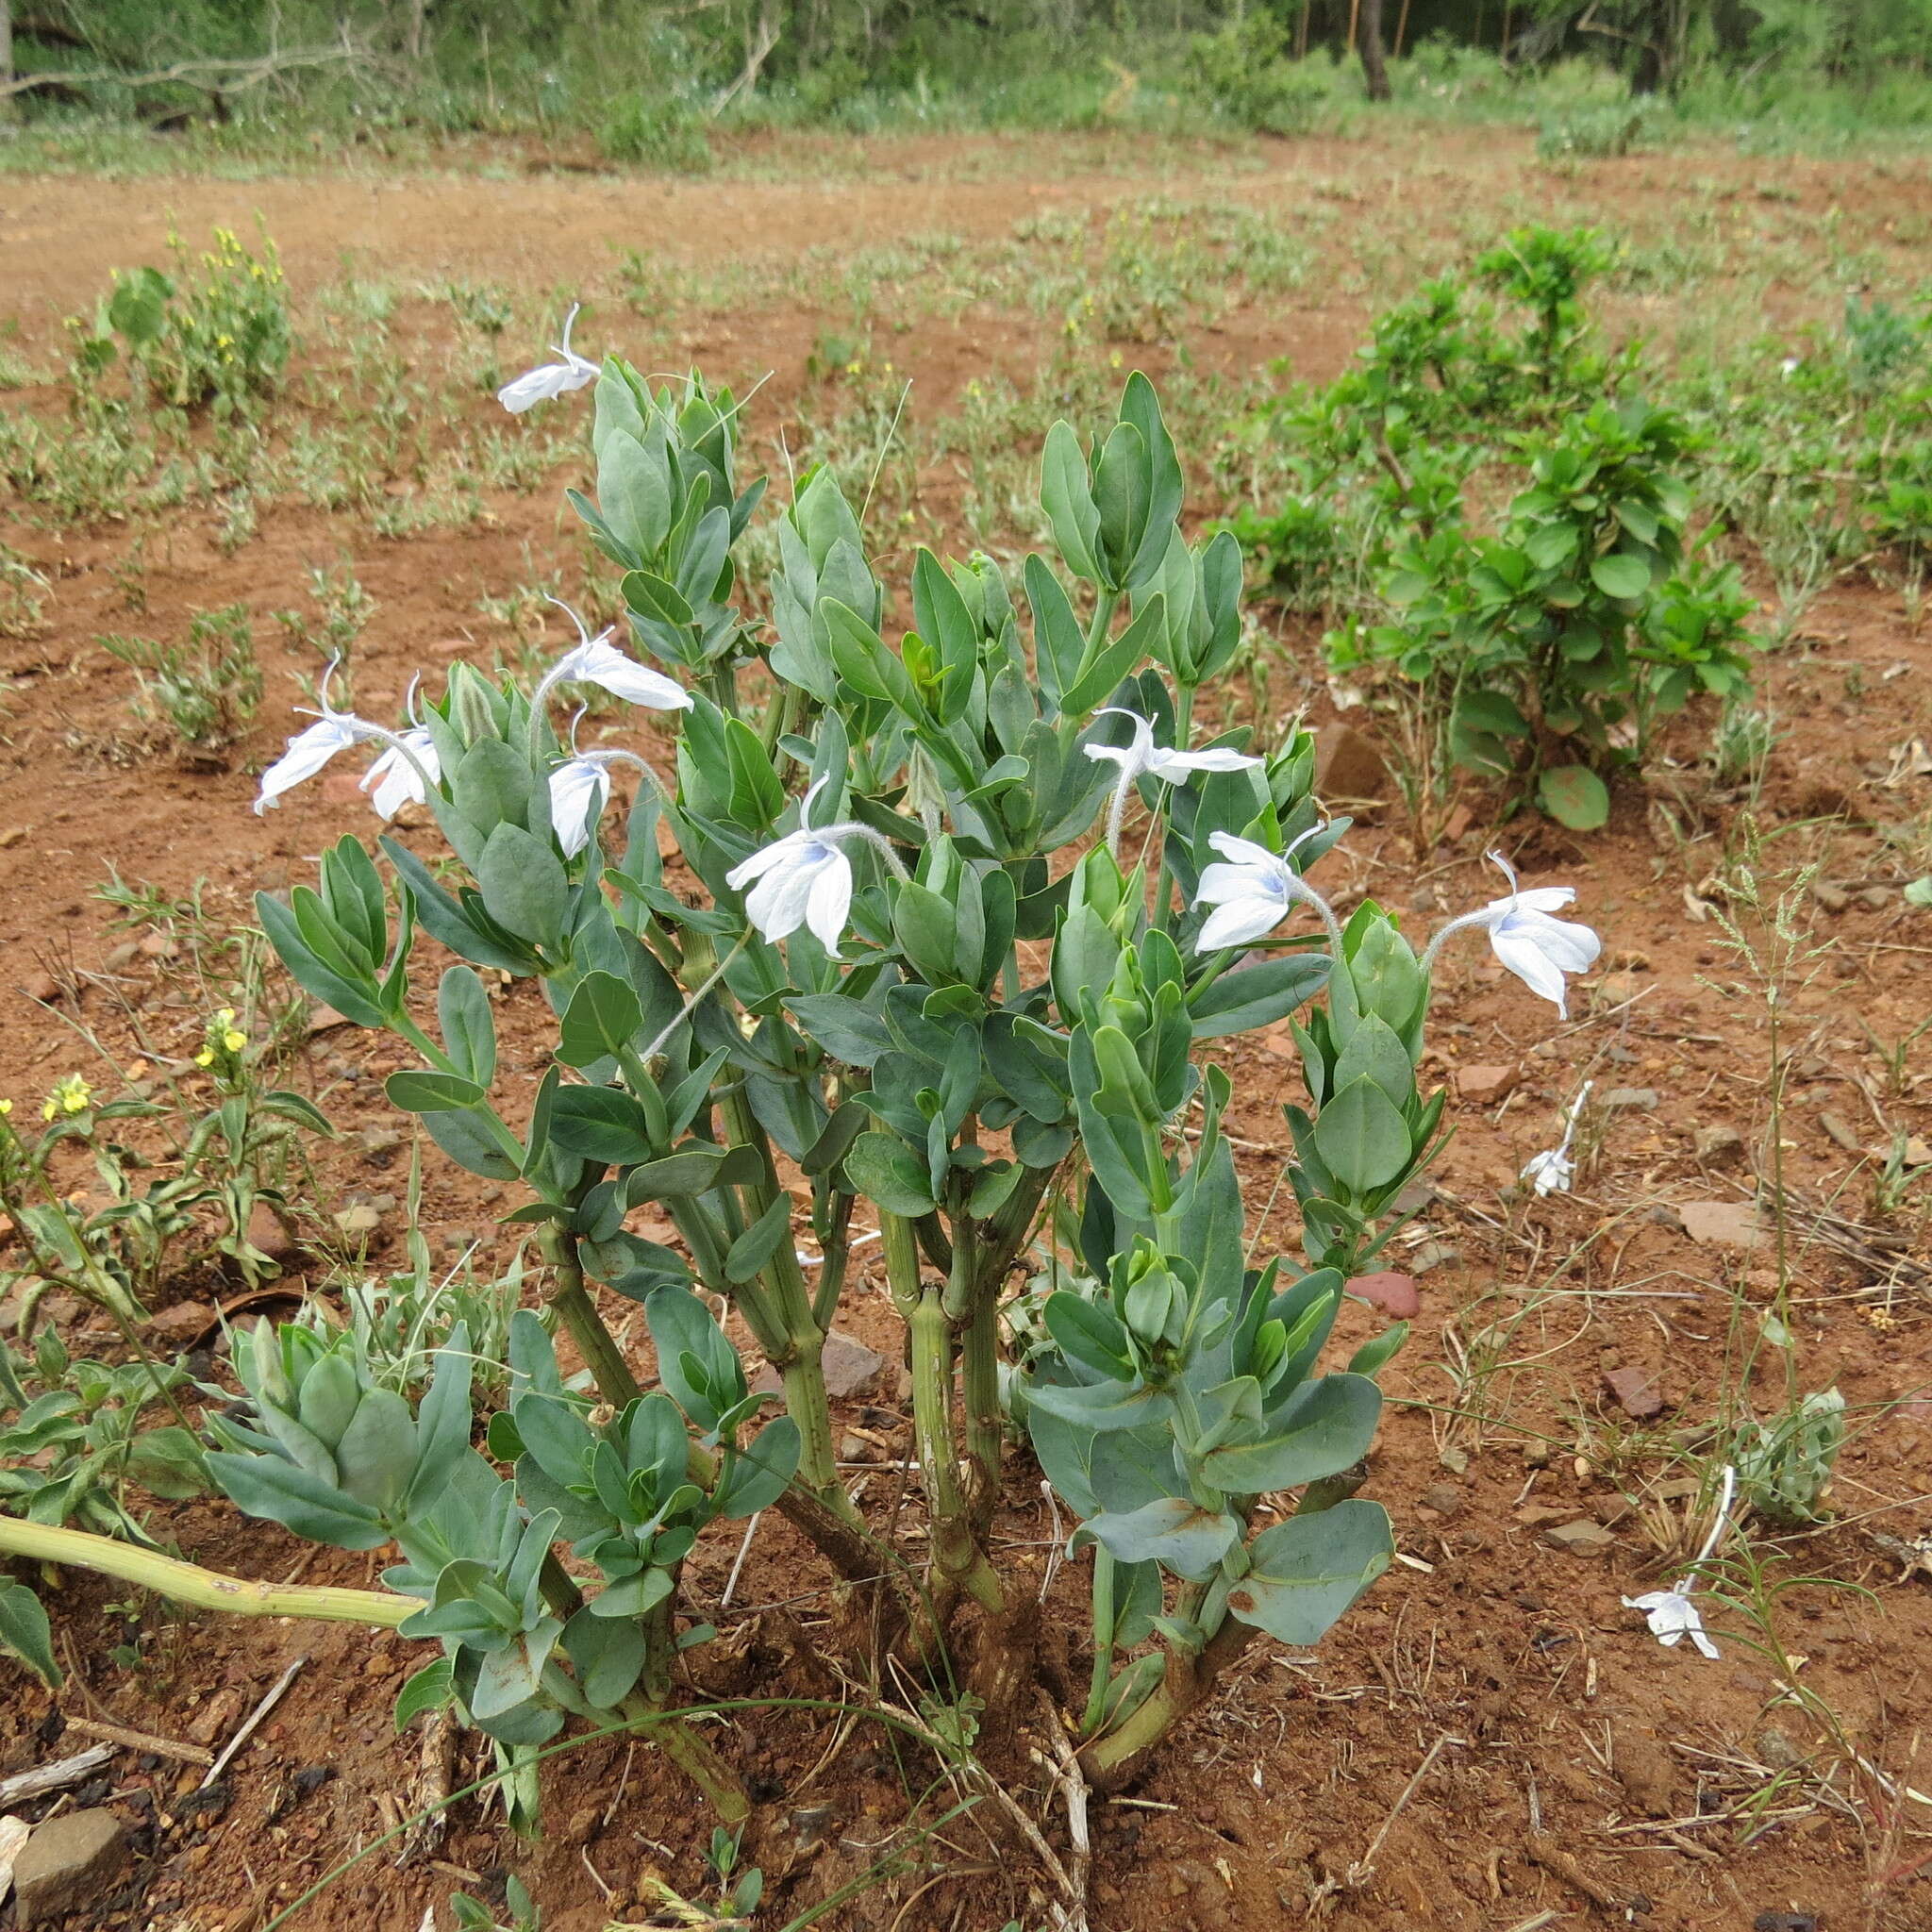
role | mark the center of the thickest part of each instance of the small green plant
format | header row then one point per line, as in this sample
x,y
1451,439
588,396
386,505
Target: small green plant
x,y
657,131
1590,133
472,1915
207,689
218,339
1784,1465
74,1438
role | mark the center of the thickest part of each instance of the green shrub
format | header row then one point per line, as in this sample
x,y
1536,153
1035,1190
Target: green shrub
x,y
1244,74
657,131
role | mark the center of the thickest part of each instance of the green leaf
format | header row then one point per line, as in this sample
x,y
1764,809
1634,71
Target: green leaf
x,y
23,1631
694,1169
1321,1428
429,1689
602,1017
267,1486
1361,1138
1172,1531
418,1090
1574,796
757,1475
469,1029
756,1246
601,1123
465,1136
1251,996
608,1652
885,1170
524,885
1068,500
1620,576
1303,1575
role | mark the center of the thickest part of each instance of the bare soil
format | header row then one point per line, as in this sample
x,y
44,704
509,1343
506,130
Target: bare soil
x,y
1574,1772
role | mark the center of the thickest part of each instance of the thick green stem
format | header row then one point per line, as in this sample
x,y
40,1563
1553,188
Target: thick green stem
x,y
1109,1761
799,1356
578,1313
206,1589
1104,1621
955,1552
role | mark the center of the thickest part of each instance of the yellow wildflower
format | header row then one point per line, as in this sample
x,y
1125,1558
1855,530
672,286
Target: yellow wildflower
x,y
206,1057
234,1041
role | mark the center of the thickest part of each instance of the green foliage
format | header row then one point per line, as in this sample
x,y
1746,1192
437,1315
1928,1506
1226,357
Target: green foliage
x,y
1243,76
74,1439
207,689
1784,1465
657,131
25,1632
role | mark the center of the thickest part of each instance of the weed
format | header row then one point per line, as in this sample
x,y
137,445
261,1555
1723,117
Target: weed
x,y
206,688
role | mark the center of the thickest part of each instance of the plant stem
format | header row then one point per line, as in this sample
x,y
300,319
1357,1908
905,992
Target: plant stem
x,y
955,1552
1104,1624
206,1589
1183,728
578,1313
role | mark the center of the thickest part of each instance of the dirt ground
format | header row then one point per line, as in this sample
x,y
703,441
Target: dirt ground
x,y
1492,1741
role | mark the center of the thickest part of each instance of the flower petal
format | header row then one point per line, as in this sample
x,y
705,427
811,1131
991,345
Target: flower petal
x,y
1242,851
306,753
1177,766
1520,952
1546,898
603,665
578,791
779,903
1573,947
779,852
540,384
1240,922
829,901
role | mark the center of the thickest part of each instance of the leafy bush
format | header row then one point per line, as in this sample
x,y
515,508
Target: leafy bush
x,y
1590,133
658,131
883,963
1244,74
206,688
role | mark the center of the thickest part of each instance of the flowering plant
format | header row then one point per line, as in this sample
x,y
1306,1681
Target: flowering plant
x,y
857,930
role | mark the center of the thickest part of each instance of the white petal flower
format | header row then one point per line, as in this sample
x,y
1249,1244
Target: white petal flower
x,y
802,879
549,379
308,752
1550,1172
1539,950
1144,759
578,791
1673,1617
393,781
1252,895
598,661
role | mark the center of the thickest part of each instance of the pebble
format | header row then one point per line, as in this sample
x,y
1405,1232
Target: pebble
x,y
1434,1254
1718,1146
1637,1099
1582,1538
67,1863
1479,1086
1637,1395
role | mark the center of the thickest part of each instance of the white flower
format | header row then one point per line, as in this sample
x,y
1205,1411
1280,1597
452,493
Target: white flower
x,y
1670,1613
802,879
308,752
549,379
598,661
1673,1617
1537,949
578,791
806,879
394,781
1251,895
1144,759
1552,1171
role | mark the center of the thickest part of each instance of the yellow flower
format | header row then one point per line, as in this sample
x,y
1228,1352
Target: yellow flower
x,y
234,1041
1114,361
225,1016
6,1107
71,1095
206,1057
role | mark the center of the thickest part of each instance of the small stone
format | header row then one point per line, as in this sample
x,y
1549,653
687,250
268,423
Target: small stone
x,y
1785,1922
1395,1294
358,1222
1434,1254
67,1863
1718,1146
853,1448
808,1822
183,1324
852,1369
1835,899
1582,1538
1536,1455
376,1140
325,1019
11,836
1723,1223
583,1824
1637,1395
1348,766
1774,1748
270,1233
1614,988
1664,1215
1635,1099
160,945
1840,1133
42,987
124,955
1875,898
1413,1197
1481,1086
1445,1499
